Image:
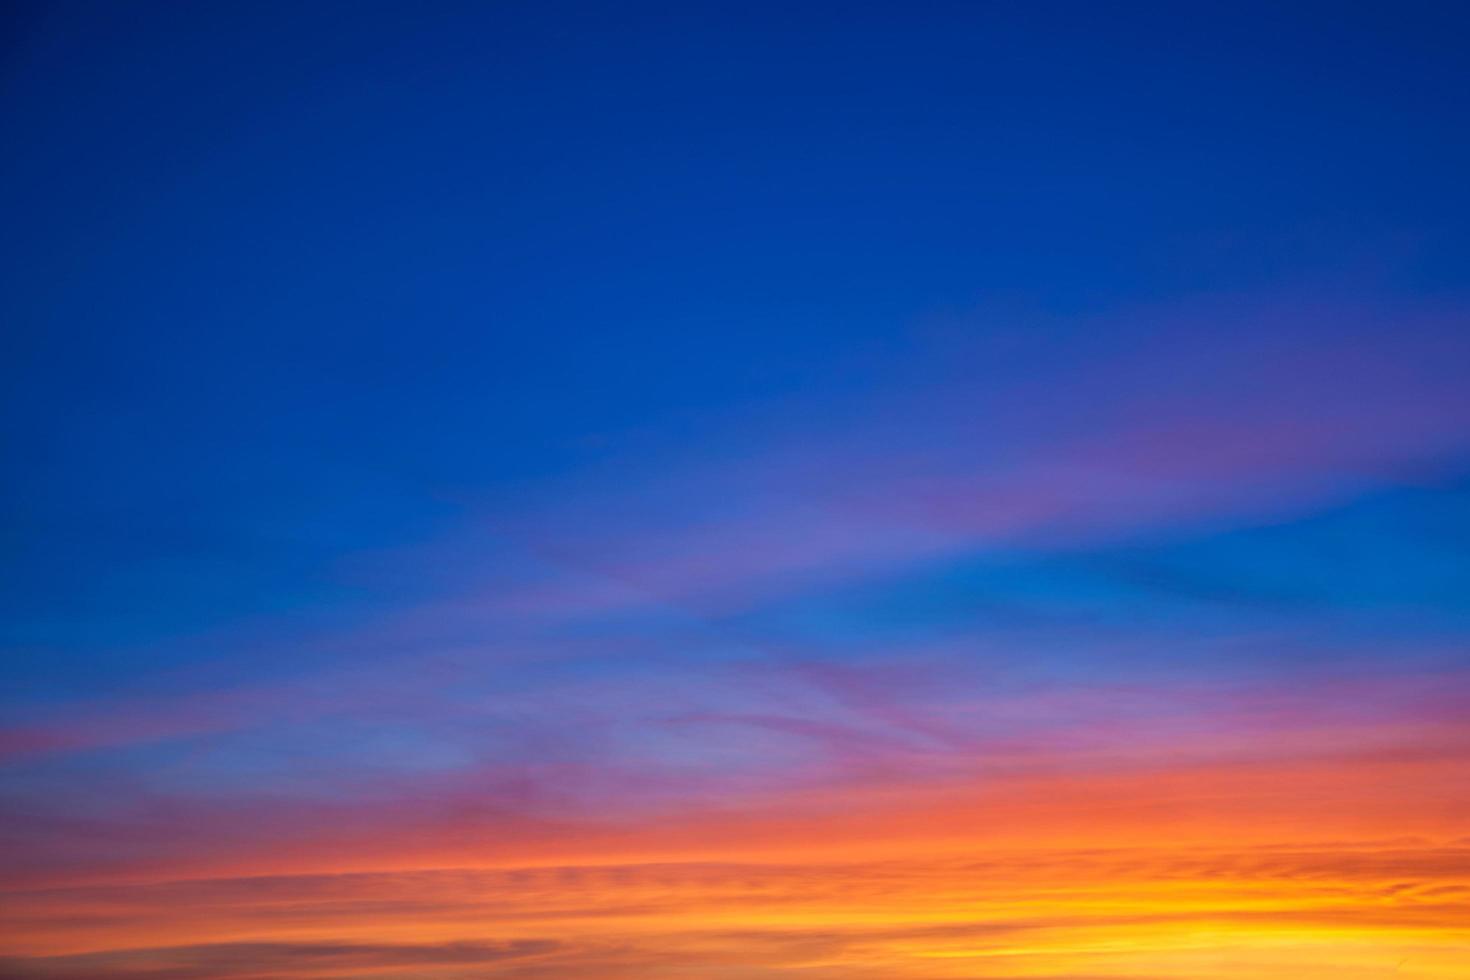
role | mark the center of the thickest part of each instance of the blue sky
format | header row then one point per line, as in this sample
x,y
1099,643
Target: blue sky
x,y
535,412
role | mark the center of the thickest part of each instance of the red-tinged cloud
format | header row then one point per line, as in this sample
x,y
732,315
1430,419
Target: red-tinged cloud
x,y
768,918
1255,763
267,959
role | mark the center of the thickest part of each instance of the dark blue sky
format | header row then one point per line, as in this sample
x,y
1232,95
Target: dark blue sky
x,y
290,283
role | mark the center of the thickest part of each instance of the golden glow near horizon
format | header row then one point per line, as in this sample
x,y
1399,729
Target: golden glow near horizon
x,y
1127,875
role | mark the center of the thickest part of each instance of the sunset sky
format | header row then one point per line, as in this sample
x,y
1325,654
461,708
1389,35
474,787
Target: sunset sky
x,y
735,491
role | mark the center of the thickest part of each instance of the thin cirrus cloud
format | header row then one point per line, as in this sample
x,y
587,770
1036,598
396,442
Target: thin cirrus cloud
x,y
1101,456
1148,427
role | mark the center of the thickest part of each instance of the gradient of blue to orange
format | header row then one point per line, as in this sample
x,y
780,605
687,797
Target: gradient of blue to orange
x,y
703,490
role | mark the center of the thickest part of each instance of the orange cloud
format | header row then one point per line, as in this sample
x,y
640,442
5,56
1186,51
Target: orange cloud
x,y
1315,862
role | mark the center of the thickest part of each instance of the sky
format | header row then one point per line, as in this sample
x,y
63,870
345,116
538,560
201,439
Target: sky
x,y
734,491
